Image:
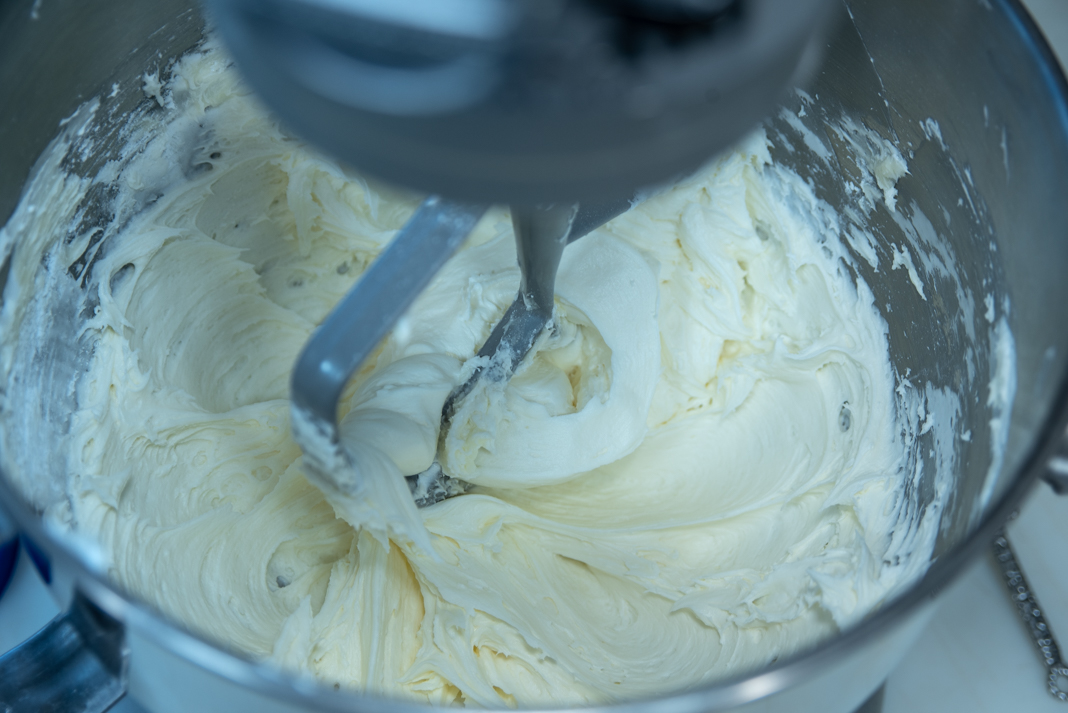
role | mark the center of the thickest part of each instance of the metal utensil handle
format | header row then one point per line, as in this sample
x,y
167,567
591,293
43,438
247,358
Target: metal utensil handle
x,y
525,318
371,308
75,664
1028,607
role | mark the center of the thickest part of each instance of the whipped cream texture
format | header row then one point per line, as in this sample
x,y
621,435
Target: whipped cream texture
x,y
695,473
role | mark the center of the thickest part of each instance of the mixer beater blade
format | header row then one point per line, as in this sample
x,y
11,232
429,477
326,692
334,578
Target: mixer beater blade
x,y
382,295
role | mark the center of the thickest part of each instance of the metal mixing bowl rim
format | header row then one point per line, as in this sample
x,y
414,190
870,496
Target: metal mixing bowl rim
x,y
786,673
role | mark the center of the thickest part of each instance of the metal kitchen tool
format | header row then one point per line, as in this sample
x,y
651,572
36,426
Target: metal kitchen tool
x,y
1027,605
980,71
386,290
506,101
349,333
541,233
523,101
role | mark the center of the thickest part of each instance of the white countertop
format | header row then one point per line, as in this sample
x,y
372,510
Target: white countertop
x,y
975,656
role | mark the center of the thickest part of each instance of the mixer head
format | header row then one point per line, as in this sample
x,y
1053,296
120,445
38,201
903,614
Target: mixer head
x,y
523,101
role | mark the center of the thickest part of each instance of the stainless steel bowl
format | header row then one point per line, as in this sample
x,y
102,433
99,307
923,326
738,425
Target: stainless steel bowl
x,y
968,90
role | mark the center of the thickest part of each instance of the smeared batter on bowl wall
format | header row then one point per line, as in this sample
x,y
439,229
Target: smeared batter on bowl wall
x,y
699,471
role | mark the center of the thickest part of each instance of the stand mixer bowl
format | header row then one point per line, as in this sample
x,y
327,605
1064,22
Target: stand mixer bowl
x,y
968,91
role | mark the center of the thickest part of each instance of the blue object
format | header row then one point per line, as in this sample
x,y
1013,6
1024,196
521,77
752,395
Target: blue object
x,y
9,550
39,559
9,555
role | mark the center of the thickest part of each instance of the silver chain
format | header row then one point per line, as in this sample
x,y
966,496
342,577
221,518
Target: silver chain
x,y
1028,607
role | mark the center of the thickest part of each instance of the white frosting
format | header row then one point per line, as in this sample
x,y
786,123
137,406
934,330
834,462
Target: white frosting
x,y
582,401
696,473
